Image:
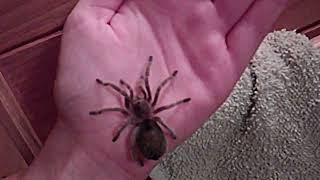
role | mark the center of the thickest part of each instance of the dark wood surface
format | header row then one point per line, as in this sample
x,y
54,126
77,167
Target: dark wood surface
x,y
10,158
311,30
300,13
25,21
16,124
316,41
30,72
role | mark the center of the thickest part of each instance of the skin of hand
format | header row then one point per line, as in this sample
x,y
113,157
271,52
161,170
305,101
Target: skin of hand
x,y
209,42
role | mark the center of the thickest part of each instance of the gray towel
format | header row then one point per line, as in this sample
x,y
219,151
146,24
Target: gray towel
x,y
269,127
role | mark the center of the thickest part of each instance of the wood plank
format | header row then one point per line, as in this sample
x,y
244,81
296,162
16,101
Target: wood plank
x,y
11,160
299,13
312,30
25,21
30,73
16,124
316,41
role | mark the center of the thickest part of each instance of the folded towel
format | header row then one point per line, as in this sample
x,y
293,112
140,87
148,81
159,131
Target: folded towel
x,y
269,127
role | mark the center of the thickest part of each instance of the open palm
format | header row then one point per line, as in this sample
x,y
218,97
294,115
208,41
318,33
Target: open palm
x,y
208,42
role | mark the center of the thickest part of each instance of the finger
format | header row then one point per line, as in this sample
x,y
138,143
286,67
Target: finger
x,y
248,33
231,11
101,8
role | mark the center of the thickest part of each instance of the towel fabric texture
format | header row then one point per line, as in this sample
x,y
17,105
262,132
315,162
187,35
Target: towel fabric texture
x,y
268,128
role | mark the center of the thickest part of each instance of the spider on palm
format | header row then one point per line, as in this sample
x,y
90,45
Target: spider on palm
x,y
148,139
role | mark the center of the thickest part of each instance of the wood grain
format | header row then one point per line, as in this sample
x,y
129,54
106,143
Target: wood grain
x,y
316,41
16,124
25,21
312,30
10,158
299,13
30,73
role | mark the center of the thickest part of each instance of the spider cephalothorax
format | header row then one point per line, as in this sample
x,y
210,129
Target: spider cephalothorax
x,y
147,139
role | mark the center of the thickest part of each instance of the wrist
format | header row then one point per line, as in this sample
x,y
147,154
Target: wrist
x,y
63,158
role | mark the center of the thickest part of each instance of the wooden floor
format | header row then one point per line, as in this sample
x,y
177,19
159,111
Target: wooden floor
x,y
30,35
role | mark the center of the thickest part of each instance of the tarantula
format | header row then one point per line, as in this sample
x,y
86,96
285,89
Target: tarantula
x,y
148,138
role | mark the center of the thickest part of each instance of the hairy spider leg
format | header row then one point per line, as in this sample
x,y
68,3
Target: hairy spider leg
x,y
162,84
97,112
113,86
172,134
122,82
166,107
146,79
126,99
119,131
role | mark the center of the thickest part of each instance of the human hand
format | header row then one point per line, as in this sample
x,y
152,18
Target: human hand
x,y
209,43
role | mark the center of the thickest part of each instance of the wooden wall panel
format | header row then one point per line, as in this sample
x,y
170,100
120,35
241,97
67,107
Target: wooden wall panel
x,y
24,21
10,158
312,30
16,125
316,41
299,13
30,73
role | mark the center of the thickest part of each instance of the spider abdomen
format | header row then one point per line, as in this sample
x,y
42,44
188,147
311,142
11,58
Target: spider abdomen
x,y
150,140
